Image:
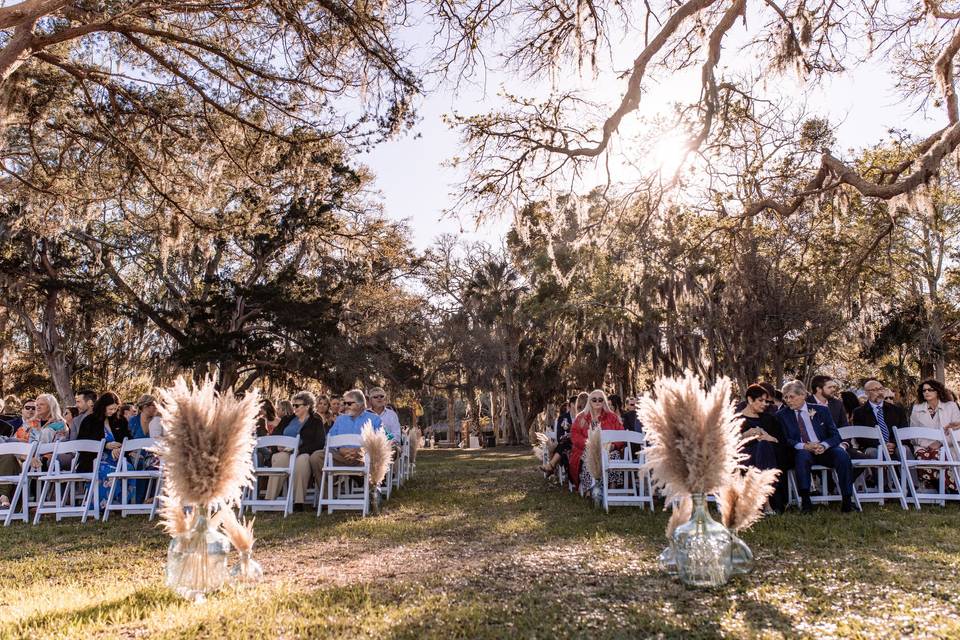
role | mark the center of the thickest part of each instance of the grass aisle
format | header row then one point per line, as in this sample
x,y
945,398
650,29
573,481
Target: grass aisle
x,y
478,546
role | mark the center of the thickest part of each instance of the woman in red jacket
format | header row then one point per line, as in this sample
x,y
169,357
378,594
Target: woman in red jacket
x,y
597,414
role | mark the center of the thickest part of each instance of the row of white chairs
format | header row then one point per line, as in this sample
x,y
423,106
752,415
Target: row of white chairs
x,y
75,492
340,488
894,478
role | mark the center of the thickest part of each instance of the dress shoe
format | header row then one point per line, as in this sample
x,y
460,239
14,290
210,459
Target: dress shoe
x,y
298,507
847,505
806,506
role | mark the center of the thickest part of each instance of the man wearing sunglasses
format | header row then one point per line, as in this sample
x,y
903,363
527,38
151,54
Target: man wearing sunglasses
x,y
388,417
351,422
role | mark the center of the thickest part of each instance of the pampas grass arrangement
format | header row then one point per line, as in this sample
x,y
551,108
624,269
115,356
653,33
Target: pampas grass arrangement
x,y
695,450
377,446
206,454
694,435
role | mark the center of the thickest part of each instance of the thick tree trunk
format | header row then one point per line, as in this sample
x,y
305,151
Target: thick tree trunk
x,y
47,339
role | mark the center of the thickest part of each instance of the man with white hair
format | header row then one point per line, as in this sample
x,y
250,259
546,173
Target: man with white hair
x,y
388,417
809,429
351,422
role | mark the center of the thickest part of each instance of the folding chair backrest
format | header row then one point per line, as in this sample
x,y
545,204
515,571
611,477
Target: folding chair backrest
x,y
925,433
79,446
25,449
131,445
288,442
608,436
344,440
859,431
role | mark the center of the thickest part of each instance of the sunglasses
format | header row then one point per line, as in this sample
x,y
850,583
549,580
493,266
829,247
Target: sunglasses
x,y
30,408
925,389
349,403
378,397
596,399
298,404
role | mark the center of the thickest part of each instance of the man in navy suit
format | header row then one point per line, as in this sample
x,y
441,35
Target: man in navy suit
x,y
810,430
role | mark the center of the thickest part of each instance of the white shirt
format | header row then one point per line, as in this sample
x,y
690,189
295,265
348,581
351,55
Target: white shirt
x,y
391,423
806,425
946,413
155,428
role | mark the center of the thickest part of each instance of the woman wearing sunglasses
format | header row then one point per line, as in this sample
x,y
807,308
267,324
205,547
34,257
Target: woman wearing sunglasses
x,y
598,414
309,427
936,410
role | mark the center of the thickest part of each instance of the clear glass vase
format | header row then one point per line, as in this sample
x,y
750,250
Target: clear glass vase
x,y
741,557
197,560
702,549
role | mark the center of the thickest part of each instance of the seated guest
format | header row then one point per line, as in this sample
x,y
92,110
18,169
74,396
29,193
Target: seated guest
x,y
267,418
876,412
306,425
850,404
388,417
598,414
128,411
351,422
934,409
564,420
561,455
85,400
139,426
285,409
768,449
104,422
21,424
810,430
825,390
335,407
629,415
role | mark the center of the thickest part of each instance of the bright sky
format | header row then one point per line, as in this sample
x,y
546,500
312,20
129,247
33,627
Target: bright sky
x,y
417,187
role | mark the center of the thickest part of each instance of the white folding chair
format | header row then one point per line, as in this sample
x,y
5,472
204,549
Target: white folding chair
x,y
819,475
24,451
945,463
83,483
284,501
336,492
126,472
636,488
884,464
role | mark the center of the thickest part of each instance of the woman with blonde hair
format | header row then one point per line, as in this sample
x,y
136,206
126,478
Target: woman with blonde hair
x,y
597,415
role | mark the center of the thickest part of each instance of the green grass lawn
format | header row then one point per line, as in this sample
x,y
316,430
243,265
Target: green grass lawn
x,y
477,545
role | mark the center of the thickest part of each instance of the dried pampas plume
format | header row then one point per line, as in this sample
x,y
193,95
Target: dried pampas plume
x,y
240,533
207,445
174,519
682,510
377,446
591,454
415,439
545,444
742,498
694,435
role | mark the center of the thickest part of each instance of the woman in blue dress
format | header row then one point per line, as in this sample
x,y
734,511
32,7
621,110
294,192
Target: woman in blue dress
x,y
104,422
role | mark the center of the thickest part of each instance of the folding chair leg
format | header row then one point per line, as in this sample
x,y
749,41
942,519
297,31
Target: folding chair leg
x,y
44,487
110,494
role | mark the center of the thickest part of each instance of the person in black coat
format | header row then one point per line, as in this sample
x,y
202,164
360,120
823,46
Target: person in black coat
x,y
307,425
104,421
876,412
768,449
